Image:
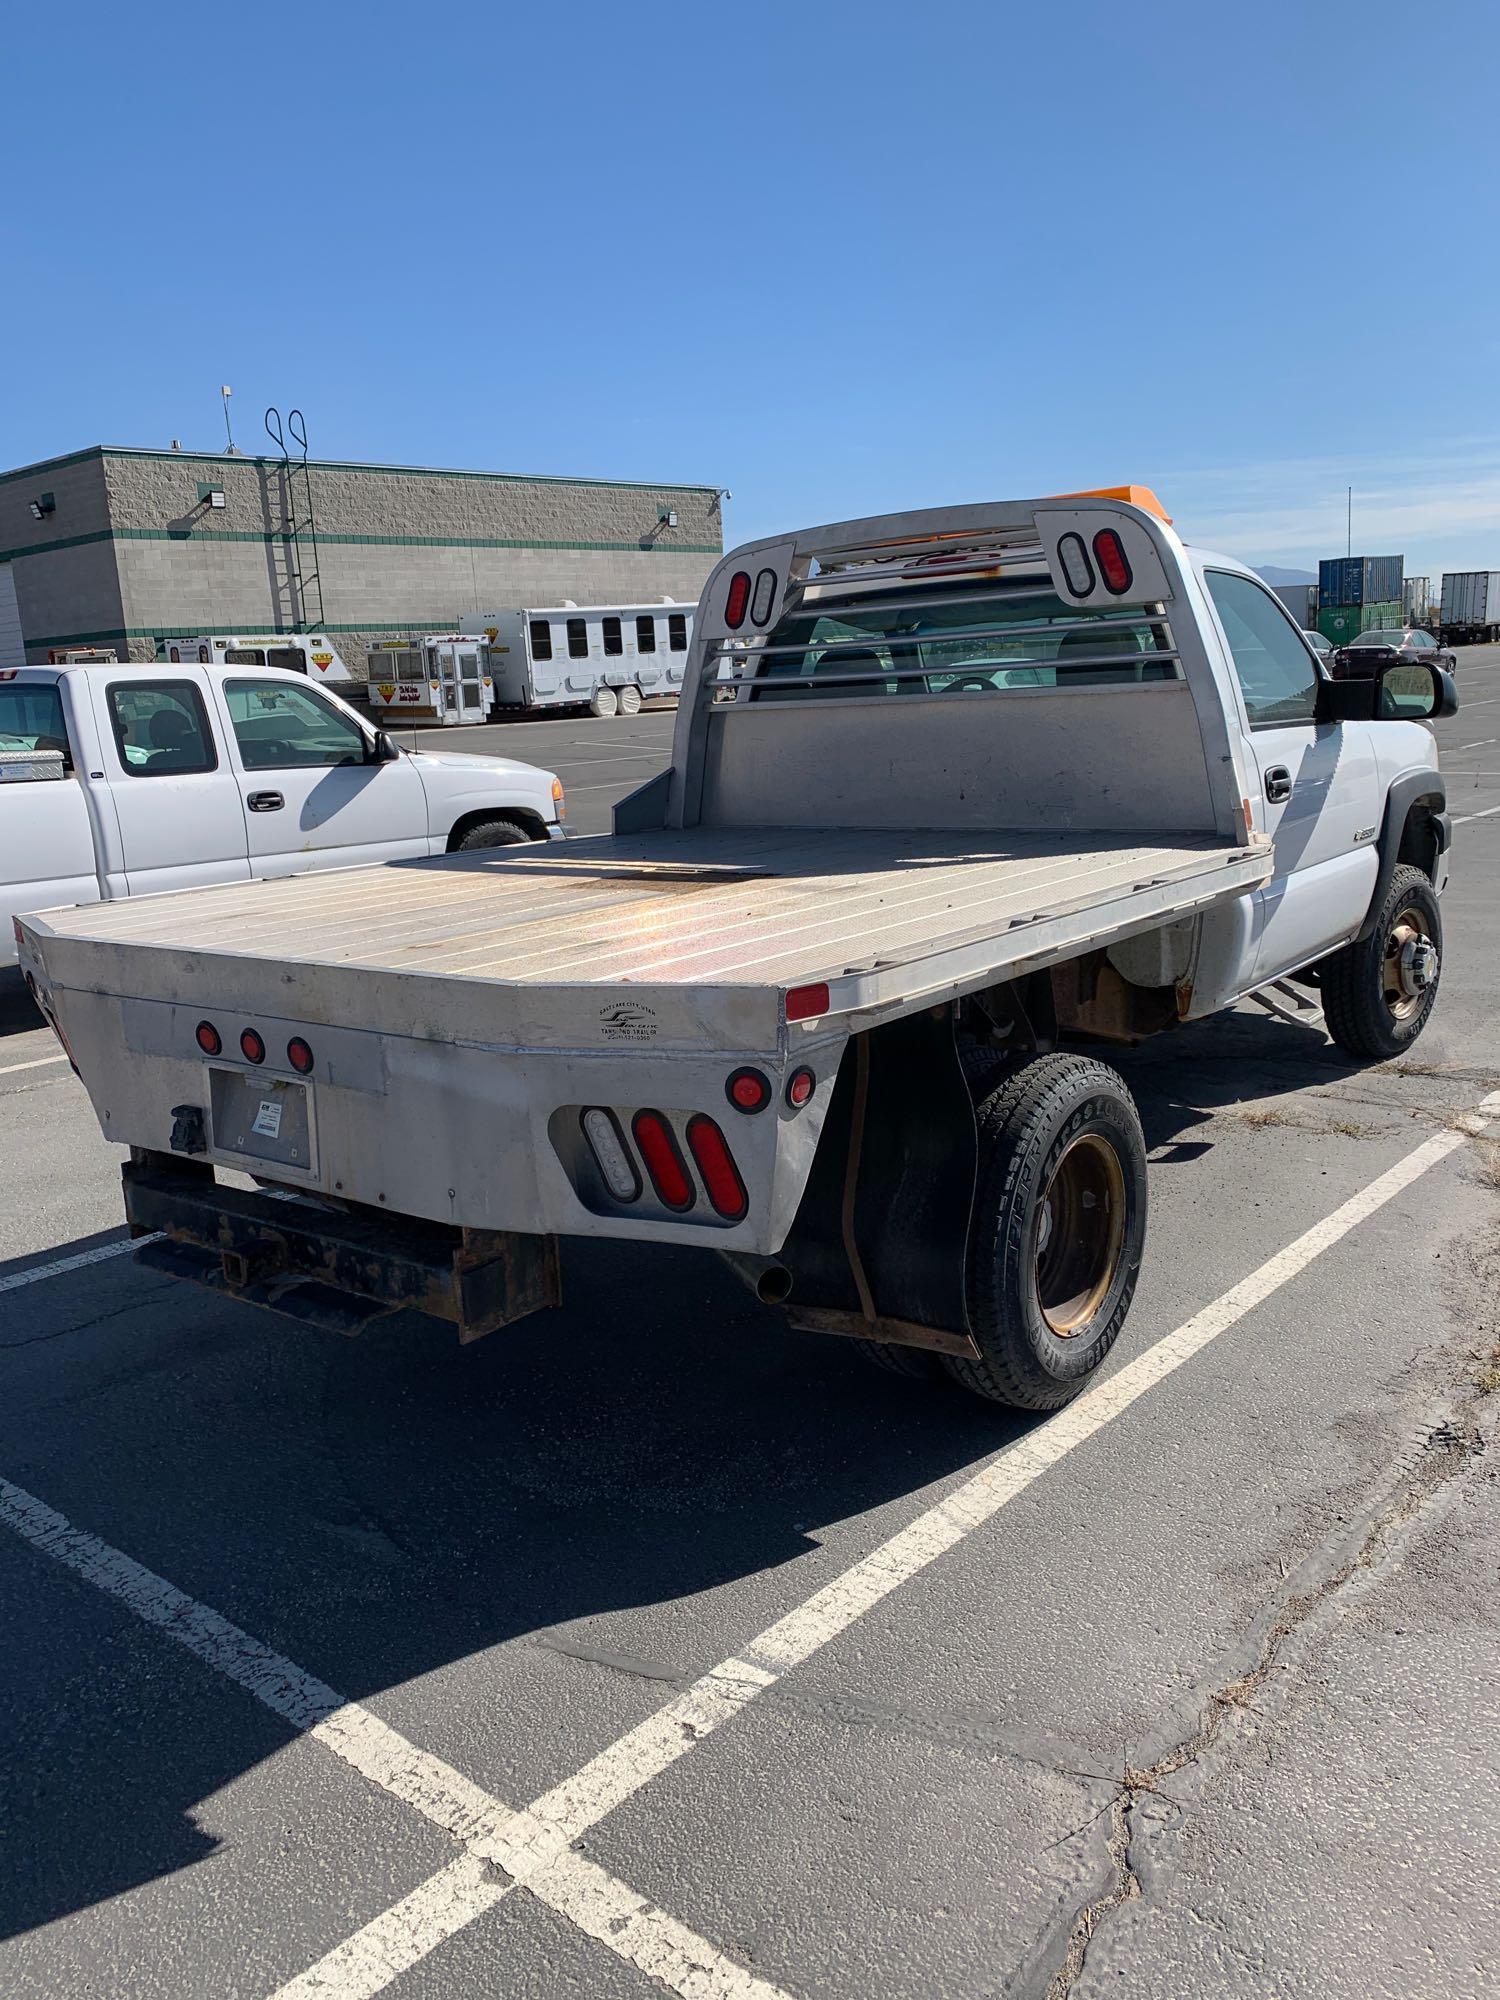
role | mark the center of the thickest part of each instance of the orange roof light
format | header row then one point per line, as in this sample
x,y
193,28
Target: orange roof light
x,y
1133,496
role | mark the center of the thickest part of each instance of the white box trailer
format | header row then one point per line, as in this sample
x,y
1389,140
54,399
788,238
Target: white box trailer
x,y
441,681
310,653
1470,612
609,657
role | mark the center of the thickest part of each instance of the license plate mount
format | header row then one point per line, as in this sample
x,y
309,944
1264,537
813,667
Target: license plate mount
x,y
267,1118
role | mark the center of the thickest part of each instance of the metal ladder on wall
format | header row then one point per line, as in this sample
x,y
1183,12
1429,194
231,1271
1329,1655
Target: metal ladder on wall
x,y
299,528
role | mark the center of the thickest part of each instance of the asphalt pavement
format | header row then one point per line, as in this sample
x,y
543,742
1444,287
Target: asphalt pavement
x,y
650,1646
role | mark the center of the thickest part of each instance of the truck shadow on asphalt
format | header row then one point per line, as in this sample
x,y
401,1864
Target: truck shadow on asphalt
x,y
387,1508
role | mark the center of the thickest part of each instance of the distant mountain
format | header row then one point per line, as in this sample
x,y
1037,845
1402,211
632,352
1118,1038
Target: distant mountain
x,y
1274,576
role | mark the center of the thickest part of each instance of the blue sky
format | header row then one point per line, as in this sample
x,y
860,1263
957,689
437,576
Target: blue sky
x,y
838,258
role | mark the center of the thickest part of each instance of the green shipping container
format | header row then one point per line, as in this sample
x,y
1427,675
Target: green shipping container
x,y
1343,622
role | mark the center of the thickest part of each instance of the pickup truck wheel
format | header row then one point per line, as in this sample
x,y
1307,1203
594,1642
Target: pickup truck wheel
x,y
1379,991
492,833
630,701
1058,1228
603,703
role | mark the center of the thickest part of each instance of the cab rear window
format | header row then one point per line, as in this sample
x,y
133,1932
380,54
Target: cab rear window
x,y
964,642
31,718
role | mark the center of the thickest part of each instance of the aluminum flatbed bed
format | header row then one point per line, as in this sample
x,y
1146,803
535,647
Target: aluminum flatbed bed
x,y
881,917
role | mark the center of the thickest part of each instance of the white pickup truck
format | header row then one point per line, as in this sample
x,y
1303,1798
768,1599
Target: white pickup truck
x,y
956,799
119,779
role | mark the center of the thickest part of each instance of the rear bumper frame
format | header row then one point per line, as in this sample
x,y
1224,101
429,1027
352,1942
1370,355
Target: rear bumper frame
x,y
335,1268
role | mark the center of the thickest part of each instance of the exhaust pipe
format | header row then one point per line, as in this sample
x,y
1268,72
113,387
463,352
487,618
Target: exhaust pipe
x,y
767,1277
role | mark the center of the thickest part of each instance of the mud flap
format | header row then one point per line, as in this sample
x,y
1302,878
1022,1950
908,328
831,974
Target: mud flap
x,y
879,1246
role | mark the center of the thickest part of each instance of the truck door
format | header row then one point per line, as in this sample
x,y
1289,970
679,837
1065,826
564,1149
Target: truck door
x,y
1319,793
174,796
311,797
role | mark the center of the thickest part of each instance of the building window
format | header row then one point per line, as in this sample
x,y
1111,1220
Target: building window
x,y
578,639
541,639
677,631
614,642
161,729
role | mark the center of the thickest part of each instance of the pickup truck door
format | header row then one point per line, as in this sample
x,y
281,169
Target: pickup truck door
x,y
1319,785
312,796
175,800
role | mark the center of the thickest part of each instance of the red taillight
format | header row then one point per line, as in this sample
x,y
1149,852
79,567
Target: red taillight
x,y
207,1036
1109,552
252,1047
799,1087
805,1003
657,1143
737,603
300,1056
748,1090
716,1164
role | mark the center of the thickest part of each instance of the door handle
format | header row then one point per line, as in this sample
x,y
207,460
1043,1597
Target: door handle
x,y
272,802
1278,782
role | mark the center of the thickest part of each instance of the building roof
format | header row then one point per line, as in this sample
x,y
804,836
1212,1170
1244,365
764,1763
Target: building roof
x,y
348,465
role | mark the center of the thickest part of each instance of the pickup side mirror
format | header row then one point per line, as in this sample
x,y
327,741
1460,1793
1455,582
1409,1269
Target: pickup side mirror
x,y
384,749
1399,691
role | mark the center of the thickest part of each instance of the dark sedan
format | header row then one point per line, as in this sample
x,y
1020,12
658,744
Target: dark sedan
x,y
1364,656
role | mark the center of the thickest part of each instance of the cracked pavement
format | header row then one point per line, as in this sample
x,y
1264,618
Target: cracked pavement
x,y
1208,1709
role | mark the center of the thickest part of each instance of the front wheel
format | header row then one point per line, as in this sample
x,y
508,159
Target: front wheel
x,y
603,703
1379,991
1057,1233
491,833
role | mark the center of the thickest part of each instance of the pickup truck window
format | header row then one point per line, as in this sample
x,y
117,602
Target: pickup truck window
x,y
31,718
281,727
965,642
1275,669
161,729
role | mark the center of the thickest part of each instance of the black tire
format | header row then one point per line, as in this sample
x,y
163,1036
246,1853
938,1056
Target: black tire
x,y
1379,991
491,833
1059,1140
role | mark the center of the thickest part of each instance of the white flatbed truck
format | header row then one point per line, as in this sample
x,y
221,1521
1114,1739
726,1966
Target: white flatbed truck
x,y
956,799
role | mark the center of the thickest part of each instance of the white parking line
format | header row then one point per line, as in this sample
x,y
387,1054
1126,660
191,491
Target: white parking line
x,y
534,1847
75,1263
630,1926
1489,813
42,1062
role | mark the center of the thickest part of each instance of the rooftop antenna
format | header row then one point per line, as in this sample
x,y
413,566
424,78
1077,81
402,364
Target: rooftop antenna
x,y
226,392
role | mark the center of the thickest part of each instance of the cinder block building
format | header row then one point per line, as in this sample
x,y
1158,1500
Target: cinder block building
x,y
129,548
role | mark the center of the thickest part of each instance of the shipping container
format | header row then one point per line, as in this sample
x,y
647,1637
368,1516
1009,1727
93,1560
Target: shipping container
x,y
1470,606
1343,622
1301,599
1416,599
1360,580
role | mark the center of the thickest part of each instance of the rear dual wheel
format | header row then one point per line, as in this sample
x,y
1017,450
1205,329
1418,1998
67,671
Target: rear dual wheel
x,y
1056,1235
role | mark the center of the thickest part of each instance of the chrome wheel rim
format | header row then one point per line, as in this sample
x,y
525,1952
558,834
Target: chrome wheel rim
x,y
1080,1234
1410,967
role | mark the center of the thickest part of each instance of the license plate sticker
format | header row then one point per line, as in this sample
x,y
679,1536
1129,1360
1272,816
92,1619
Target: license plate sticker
x,y
267,1120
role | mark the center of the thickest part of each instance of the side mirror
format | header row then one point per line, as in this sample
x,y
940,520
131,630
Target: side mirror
x,y
1414,691
384,750
1400,691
